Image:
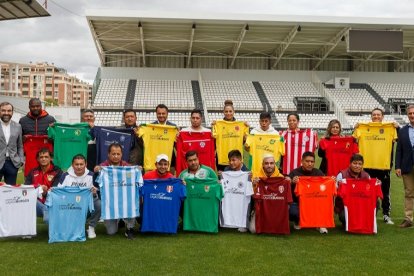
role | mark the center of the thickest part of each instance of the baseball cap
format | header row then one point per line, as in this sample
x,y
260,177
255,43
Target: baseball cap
x,y
162,157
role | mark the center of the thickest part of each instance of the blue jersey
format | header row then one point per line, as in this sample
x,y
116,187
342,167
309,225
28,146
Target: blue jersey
x,y
162,202
68,208
119,188
107,135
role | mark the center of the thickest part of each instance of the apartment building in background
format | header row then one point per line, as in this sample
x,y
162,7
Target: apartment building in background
x,y
44,81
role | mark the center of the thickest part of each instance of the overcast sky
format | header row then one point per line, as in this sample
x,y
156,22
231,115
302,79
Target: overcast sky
x,y
65,40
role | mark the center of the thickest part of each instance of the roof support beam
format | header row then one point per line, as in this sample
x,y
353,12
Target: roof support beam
x,y
359,66
97,43
238,44
141,36
326,50
190,45
407,61
281,49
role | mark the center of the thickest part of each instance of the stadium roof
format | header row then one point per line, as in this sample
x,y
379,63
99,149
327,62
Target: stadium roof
x,y
18,9
238,36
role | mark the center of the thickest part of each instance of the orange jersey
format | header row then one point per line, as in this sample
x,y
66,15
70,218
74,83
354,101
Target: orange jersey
x,y
316,203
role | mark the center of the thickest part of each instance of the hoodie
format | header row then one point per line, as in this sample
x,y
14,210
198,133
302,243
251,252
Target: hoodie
x,y
36,125
70,179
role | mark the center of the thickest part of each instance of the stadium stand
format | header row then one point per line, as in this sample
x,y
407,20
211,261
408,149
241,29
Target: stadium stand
x,y
393,90
307,120
111,93
250,117
353,99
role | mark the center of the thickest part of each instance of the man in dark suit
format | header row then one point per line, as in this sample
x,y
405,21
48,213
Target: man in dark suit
x,y
404,165
11,145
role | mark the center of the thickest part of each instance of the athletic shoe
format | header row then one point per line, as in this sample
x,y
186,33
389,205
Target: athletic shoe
x,y
323,230
388,220
129,234
91,232
242,229
406,224
296,226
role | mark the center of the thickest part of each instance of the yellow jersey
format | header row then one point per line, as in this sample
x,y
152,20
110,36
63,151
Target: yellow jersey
x,y
229,136
157,139
260,145
375,142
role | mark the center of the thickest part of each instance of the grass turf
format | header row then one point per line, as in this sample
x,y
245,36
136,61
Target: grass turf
x,y
229,252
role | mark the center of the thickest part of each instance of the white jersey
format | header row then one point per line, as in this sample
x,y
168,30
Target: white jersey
x,y
237,195
17,210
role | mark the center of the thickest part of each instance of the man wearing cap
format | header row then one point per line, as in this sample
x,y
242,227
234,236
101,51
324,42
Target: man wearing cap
x,y
161,172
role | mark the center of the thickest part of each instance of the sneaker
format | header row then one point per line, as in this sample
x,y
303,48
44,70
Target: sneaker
x,y
388,220
296,226
129,234
242,229
323,230
91,232
406,224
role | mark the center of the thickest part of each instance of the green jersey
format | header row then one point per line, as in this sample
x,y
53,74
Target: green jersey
x,y
201,207
202,173
68,140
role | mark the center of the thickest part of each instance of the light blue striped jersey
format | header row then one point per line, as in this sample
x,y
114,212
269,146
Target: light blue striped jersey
x,y
119,186
68,208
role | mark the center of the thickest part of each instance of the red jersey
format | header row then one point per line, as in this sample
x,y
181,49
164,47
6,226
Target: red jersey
x,y
32,144
360,200
201,142
271,204
50,178
338,152
316,201
155,175
296,143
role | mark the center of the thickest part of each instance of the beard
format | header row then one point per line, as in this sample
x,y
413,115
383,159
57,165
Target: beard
x,y
5,118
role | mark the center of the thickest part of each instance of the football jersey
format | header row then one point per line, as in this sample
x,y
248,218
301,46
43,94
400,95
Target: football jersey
x,y
237,195
316,208
201,142
201,207
375,142
68,140
202,173
119,187
229,136
68,208
338,152
158,139
162,201
296,143
17,210
360,202
32,144
106,136
271,203
261,145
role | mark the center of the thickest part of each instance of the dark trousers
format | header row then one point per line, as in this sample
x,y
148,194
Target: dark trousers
x,y
384,177
9,172
294,212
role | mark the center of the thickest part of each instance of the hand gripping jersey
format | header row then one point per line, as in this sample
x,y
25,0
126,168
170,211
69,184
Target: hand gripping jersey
x,y
316,198
162,201
68,208
68,140
32,144
201,142
271,203
229,136
375,144
106,136
17,210
296,143
201,207
360,200
119,186
264,144
237,195
338,152
158,139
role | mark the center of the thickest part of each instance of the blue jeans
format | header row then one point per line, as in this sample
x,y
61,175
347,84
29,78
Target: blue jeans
x,y
9,172
294,213
41,211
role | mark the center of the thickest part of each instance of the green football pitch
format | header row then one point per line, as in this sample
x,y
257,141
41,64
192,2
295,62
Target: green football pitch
x,y
228,252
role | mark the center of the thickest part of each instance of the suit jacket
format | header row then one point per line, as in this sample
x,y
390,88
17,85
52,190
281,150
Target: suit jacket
x,y
14,147
404,158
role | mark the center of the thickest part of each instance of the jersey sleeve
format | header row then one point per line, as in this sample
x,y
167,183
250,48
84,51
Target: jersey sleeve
x,y
214,130
249,142
342,189
141,131
51,132
315,139
282,145
245,130
139,181
49,199
289,197
90,203
220,192
183,191
298,189
378,190
249,189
